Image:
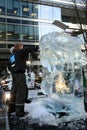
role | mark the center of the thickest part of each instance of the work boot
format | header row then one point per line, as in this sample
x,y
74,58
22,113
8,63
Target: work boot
x,y
28,101
22,115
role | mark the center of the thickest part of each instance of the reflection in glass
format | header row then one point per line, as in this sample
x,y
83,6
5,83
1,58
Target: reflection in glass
x,y
28,33
29,10
2,7
46,12
2,31
21,28
13,32
13,21
13,7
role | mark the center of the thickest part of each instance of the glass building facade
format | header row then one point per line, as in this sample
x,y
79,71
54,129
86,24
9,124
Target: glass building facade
x,y
25,21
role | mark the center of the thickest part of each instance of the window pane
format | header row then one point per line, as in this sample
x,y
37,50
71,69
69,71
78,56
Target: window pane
x,y
13,7
28,33
29,10
25,9
56,13
13,21
2,20
25,32
2,32
27,22
34,11
46,12
36,33
16,7
13,32
2,7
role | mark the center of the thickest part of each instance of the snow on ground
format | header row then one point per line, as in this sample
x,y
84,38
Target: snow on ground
x,y
48,110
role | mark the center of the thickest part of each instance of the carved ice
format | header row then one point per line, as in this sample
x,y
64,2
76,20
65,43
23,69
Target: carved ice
x,y
62,58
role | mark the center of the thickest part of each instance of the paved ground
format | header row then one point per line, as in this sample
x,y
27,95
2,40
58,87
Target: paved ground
x,y
29,124
14,121
4,120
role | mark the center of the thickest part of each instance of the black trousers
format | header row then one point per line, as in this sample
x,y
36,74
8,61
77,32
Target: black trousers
x,y
11,107
19,93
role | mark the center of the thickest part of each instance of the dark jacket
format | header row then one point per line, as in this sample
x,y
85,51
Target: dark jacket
x,y
18,60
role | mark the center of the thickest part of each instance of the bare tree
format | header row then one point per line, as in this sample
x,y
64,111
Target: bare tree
x,y
82,30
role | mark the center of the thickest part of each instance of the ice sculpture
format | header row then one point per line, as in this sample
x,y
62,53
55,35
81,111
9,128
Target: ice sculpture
x,y
62,58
